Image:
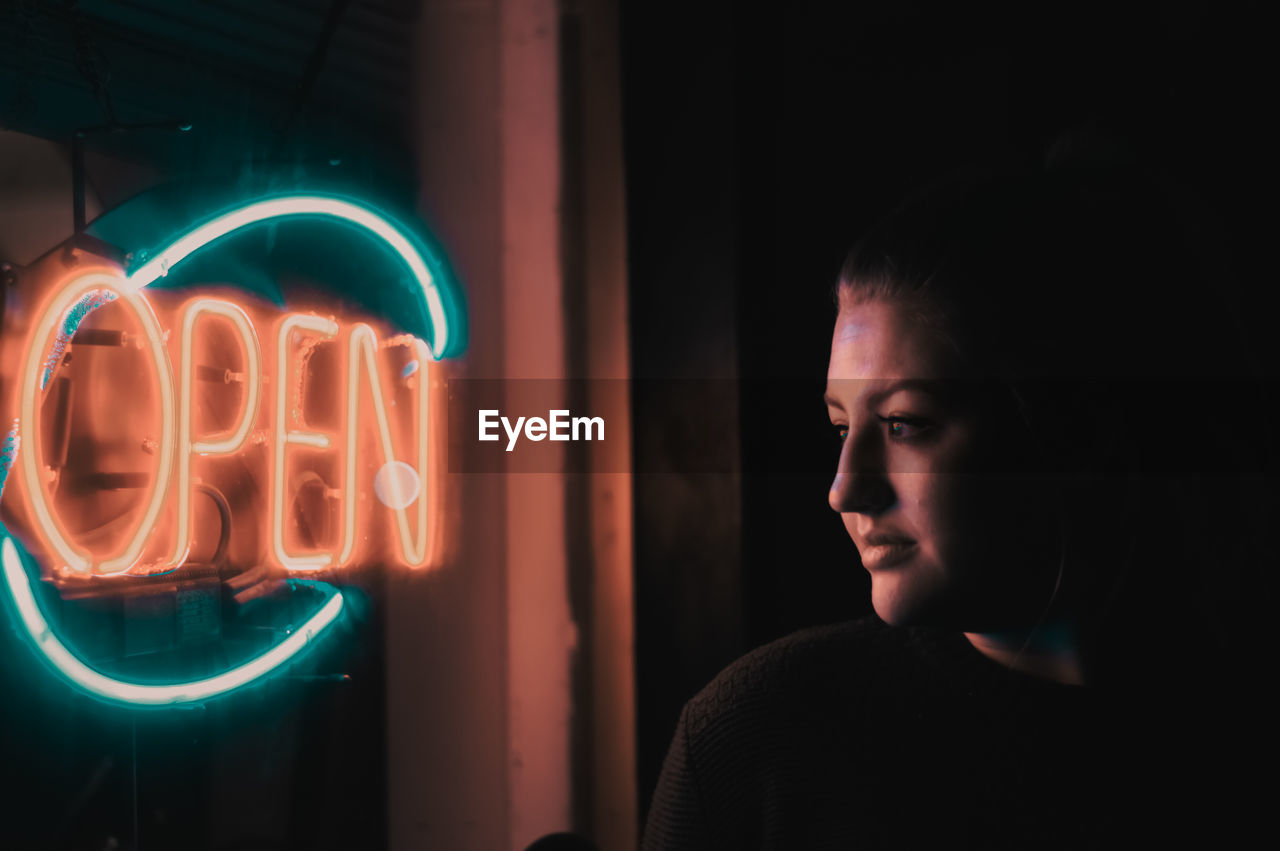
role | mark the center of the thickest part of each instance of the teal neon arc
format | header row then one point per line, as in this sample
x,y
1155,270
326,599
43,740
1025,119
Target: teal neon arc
x,y
115,690
295,206
19,583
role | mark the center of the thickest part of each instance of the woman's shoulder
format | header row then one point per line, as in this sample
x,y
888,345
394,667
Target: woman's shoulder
x,y
802,720
833,668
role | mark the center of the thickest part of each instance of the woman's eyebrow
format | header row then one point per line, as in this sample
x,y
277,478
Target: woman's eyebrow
x,y
921,385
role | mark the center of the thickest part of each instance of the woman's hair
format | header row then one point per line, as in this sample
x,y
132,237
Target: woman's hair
x,y
1080,294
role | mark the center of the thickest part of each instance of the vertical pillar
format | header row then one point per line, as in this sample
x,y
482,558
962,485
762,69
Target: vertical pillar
x,y
447,627
510,674
541,635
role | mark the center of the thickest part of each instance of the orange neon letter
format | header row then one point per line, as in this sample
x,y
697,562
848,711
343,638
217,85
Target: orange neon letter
x,y
82,562
320,326
186,446
362,347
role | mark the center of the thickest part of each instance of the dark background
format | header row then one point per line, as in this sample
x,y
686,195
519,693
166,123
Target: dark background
x,y
296,761
760,142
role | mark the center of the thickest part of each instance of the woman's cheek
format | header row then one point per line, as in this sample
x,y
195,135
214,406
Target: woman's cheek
x,y
958,505
929,511
958,516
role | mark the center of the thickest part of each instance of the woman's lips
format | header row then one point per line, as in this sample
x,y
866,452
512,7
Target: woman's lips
x,y
888,554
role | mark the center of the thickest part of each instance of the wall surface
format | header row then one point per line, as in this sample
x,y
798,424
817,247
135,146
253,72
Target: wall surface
x,y
510,665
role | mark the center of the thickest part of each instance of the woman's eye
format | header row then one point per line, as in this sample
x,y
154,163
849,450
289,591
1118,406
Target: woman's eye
x,y
904,429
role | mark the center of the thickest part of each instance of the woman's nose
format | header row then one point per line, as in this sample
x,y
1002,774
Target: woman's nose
x,y
860,485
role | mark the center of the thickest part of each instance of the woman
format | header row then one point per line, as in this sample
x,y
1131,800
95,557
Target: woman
x,y
1026,379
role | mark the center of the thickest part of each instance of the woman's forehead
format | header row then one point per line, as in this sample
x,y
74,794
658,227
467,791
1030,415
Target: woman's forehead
x,y
878,340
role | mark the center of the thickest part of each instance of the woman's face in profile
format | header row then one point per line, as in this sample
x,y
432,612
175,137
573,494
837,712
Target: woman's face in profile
x,y
950,535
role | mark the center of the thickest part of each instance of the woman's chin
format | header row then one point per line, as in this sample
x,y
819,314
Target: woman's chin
x,y
899,602
893,610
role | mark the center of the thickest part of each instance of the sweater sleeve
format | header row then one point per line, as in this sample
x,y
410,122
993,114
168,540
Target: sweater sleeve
x,y
677,819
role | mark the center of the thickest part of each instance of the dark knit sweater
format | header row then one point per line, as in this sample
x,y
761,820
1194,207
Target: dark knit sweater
x,y
865,736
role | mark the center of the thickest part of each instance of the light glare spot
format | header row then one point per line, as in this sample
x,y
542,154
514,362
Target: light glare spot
x,y
396,485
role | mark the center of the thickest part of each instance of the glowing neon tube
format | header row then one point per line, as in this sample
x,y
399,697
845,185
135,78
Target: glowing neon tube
x,y
321,327
16,579
187,446
362,345
141,694
31,373
315,206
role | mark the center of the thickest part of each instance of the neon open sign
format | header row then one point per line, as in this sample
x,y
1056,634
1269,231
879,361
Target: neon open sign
x,y
325,411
